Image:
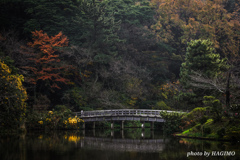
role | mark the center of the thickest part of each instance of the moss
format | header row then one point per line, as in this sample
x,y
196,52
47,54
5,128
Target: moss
x,y
223,130
209,121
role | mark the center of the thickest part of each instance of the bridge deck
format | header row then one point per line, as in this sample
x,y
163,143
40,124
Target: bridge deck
x,y
123,114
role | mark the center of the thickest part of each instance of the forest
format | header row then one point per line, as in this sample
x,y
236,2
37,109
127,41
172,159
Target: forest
x,y
63,56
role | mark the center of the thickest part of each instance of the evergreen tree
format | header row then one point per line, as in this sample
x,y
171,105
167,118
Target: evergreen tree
x,y
98,29
12,15
201,58
51,16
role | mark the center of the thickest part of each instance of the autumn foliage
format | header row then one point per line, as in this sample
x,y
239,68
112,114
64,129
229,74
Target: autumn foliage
x,y
180,21
13,98
45,62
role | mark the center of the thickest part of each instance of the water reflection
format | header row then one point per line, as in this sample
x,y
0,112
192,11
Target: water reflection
x,y
106,144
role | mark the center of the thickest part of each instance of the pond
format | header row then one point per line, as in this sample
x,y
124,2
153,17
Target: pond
x,y
132,144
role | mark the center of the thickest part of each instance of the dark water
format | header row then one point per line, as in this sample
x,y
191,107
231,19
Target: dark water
x,y
132,144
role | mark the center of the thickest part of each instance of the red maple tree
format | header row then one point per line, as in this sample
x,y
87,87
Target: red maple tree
x,y
45,62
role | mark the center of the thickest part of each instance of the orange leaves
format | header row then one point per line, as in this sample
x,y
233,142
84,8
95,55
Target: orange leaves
x,y
45,64
46,44
55,86
86,73
170,89
197,19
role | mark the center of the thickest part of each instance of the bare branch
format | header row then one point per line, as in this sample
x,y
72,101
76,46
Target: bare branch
x,y
201,81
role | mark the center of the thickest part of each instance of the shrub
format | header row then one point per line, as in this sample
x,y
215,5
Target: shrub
x,y
162,106
172,123
60,119
197,113
12,98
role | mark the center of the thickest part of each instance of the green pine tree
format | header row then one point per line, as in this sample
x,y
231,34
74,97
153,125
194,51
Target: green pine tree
x,y
201,58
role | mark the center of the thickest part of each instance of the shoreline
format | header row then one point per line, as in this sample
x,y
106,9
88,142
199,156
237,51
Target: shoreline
x,y
203,138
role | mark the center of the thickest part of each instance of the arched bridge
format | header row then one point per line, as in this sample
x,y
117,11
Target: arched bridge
x,y
142,115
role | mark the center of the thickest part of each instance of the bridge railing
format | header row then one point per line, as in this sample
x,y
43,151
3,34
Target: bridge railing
x,y
121,112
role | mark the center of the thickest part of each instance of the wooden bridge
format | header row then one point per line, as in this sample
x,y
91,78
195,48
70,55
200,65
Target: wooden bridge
x,y
142,115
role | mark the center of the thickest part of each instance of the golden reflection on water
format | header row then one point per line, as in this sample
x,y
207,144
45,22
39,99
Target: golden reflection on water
x,y
73,138
40,137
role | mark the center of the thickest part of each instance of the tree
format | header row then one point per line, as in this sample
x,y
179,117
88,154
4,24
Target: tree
x,y
200,56
214,105
202,68
12,98
51,17
99,30
226,83
179,21
44,62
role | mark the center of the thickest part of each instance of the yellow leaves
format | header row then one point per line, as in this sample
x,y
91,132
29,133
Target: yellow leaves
x,y
164,95
86,73
134,98
40,122
70,83
40,137
48,120
169,89
73,138
4,68
73,121
11,86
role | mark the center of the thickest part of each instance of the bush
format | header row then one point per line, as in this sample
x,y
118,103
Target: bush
x,y
12,99
197,113
60,119
161,105
172,123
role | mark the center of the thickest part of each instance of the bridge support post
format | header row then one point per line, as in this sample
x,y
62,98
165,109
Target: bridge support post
x,y
83,126
93,126
112,133
143,134
112,125
122,133
152,125
143,125
122,125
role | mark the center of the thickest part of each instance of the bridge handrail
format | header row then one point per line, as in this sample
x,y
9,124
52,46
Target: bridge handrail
x,y
123,112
